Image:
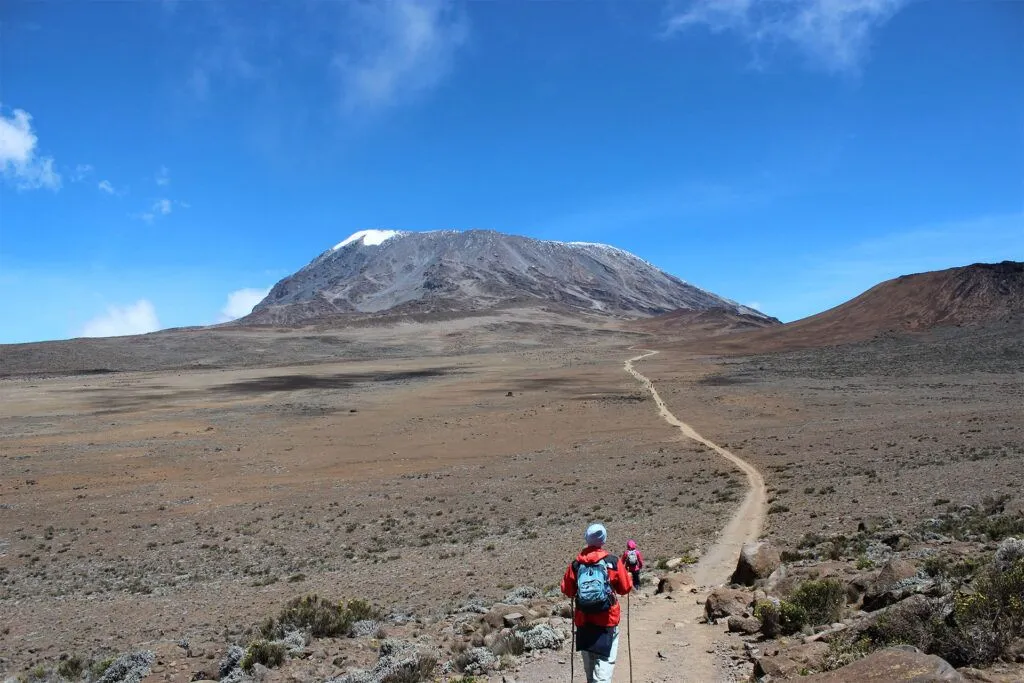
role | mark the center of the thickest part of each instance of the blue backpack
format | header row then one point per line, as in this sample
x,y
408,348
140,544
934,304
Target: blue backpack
x,y
593,586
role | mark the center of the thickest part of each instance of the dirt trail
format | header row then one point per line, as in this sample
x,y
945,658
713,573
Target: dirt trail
x,y
669,643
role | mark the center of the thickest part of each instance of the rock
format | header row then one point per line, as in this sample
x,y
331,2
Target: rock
x,y
892,665
513,619
790,663
894,582
748,625
675,583
495,618
726,602
757,561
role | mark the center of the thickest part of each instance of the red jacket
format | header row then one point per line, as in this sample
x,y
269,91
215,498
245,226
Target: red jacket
x,y
620,579
639,559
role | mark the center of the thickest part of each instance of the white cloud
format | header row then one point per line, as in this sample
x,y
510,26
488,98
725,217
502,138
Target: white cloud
x,y
834,35
105,186
137,318
18,160
81,172
399,48
163,177
241,302
162,207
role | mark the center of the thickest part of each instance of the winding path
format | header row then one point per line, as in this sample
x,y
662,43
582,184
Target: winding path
x,y
670,643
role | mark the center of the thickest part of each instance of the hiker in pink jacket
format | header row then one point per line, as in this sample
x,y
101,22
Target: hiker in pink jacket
x,y
633,560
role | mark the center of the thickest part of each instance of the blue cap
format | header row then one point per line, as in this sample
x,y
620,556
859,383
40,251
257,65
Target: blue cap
x,y
596,534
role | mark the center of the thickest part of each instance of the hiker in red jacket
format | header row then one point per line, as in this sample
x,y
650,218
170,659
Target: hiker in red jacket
x,y
592,580
633,560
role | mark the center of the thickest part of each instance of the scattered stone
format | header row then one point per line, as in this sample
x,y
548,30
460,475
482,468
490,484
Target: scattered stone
x,y
757,562
674,583
513,619
896,581
748,625
726,602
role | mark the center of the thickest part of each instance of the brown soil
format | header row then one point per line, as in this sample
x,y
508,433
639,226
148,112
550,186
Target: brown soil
x,y
140,507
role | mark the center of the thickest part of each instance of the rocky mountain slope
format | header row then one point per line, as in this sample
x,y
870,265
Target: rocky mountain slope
x,y
982,293
376,272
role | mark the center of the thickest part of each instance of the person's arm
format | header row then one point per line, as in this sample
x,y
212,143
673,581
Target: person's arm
x,y
622,581
640,560
569,582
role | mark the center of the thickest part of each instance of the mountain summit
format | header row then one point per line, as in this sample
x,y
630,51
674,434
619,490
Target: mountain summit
x,y
447,271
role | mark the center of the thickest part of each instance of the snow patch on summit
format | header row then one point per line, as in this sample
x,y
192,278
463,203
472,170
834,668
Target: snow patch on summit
x,y
369,238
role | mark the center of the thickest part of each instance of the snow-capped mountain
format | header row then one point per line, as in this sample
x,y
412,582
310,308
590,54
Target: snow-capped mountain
x,y
375,271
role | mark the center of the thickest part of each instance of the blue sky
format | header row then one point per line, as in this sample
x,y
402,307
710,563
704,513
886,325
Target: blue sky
x,y
164,162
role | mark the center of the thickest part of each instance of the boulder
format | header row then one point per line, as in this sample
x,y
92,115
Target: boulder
x,y
892,665
791,662
726,602
748,625
674,583
513,619
757,561
894,582
495,618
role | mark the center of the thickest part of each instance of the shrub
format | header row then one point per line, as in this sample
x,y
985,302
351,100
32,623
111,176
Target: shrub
x,y
71,668
263,652
509,643
100,666
414,671
782,619
973,628
843,651
822,601
318,617
988,620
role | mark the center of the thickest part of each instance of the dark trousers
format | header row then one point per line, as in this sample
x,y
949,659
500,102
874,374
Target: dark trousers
x,y
636,577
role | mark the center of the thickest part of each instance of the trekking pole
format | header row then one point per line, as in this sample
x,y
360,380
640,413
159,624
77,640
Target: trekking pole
x,y
629,640
572,650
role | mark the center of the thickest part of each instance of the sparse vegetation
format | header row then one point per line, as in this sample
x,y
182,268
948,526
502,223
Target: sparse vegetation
x,y
71,668
821,601
319,617
263,652
785,618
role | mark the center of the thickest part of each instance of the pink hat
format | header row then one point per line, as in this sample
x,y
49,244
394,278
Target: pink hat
x,y
631,544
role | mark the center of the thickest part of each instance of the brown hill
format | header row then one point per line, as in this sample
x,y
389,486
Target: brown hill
x,y
969,295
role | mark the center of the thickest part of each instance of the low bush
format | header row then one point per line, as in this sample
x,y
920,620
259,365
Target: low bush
x,y
318,617
509,643
782,619
973,627
822,601
263,652
71,668
415,671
